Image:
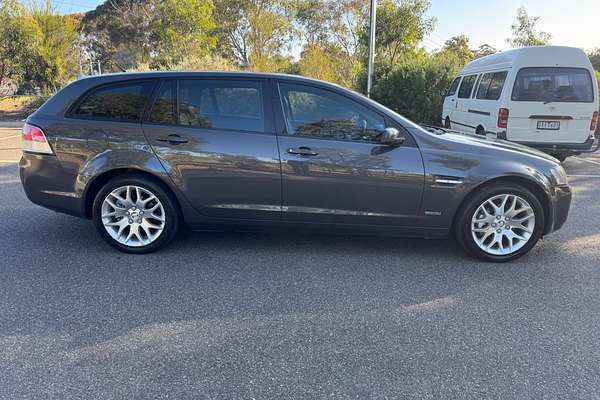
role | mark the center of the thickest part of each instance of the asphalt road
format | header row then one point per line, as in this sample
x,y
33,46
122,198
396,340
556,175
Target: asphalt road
x,y
242,316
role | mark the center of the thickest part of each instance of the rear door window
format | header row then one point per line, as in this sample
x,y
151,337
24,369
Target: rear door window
x,y
553,84
221,104
118,102
466,86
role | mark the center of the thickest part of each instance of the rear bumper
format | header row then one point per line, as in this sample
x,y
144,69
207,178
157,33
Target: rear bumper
x,y
560,203
561,147
48,184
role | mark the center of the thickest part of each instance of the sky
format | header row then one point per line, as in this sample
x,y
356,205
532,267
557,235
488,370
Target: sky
x,y
571,23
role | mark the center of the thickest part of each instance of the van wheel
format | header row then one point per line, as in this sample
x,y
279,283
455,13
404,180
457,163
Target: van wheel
x,y
447,123
560,156
500,223
135,215
480,130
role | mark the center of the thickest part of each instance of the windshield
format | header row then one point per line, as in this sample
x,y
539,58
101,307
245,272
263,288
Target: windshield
x,y
549,84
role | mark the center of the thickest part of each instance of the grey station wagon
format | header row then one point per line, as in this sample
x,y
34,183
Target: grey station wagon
x,y
142,153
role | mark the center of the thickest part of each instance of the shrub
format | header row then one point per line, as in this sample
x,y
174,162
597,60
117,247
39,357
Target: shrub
x,y
413,87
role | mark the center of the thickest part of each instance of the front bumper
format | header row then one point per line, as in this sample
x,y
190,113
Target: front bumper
x,y
48,184
560,203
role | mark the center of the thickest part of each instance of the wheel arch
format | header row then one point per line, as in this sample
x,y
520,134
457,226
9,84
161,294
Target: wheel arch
x,y
535,187
99,181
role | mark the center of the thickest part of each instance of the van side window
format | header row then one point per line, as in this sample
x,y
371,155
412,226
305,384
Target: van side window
x,y
453,87
466,87
483,86
221,104
118,102
321,113
560,84
491,86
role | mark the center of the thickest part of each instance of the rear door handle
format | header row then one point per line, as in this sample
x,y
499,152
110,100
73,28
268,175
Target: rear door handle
x,y
173,139
302,151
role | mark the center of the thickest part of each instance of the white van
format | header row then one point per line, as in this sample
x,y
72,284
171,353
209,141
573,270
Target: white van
x,y
544,97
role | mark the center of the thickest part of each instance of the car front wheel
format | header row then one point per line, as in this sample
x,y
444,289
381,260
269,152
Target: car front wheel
x,y
135,215
501,223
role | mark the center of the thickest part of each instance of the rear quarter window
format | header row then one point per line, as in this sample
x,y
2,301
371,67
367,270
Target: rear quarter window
x,y
554,84
117,102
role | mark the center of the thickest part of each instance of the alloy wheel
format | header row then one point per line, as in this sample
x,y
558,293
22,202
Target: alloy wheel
x,y
133,216
503,224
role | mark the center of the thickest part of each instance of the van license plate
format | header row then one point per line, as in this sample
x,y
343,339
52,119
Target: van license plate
x,y
548,125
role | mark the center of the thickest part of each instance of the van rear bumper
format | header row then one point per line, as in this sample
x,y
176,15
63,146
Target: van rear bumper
x,y
561,147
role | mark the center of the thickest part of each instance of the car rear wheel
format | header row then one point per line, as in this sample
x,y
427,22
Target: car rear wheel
x,y
500,223
447,123
135,215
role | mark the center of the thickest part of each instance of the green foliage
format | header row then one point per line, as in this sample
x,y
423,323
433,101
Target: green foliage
x,y
255,32
595,58
118,34
459,46
413,87
401,26
525,32
484,50
325,63
16,37
181,28
52,56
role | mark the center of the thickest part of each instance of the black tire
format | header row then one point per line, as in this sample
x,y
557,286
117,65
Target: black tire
x,y
171,213
480,130
447,123
463,221
560,156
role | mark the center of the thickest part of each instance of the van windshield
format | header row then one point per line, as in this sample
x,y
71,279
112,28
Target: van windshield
x,y
549,84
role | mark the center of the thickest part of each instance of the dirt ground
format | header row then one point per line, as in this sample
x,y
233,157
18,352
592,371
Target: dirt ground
x,y
16,108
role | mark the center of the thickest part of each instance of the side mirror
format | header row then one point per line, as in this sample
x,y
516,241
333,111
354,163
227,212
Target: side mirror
x,y
391,136
444,92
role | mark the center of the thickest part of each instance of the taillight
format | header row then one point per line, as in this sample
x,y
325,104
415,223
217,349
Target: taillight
x,y
594,124
34,140
503,118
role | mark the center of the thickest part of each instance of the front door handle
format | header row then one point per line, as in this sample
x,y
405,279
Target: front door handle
x,y
302,151
173,139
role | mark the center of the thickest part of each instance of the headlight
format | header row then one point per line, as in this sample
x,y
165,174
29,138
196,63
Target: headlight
x,y
559,176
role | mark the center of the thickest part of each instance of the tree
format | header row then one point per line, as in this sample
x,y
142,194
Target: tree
x,y
119,33
16,37
595,58
325,63
459,46
525,33
484,50
255,33
330,31
182,28
401,26
54,62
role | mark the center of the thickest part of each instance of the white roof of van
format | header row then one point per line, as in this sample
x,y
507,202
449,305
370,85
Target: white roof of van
x,y
539,56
